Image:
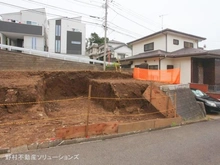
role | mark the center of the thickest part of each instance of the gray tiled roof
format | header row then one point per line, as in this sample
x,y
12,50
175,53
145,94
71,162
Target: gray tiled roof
x,y
185,52
216,51
154,53
166,31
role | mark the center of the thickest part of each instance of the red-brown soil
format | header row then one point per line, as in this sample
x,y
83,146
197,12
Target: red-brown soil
x,y
56,99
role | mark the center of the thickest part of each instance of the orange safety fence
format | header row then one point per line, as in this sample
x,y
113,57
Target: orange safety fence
x,y
171,76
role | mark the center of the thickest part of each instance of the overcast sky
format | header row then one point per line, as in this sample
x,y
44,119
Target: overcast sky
x,y
132,19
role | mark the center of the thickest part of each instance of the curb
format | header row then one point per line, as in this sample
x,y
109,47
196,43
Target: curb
x,y
55,143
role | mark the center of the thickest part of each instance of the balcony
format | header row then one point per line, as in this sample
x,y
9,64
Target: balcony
x,y
11,27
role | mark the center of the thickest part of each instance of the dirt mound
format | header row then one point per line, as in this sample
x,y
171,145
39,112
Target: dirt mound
x,y
124,95
54,99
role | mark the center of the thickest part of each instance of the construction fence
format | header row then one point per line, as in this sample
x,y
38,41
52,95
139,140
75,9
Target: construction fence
x,y
171,76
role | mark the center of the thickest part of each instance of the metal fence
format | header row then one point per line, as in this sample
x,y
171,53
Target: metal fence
x,y
214,88
76,58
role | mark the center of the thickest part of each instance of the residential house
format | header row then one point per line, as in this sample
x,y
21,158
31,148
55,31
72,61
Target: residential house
x,y
30,29
115,51
66,36
169,49
24,29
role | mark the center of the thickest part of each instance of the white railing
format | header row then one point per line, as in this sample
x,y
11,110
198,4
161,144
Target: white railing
x,y
76,58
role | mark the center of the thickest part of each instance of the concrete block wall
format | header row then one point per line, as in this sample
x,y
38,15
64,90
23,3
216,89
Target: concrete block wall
x,y
19,61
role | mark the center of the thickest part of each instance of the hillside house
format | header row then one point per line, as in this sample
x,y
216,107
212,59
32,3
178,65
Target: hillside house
x,y
115,51
31,29
168,49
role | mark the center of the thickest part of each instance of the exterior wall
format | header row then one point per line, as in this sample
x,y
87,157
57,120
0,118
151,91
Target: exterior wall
x,y
36,15
39,43
185,69
171,47
159,43
123,50
11,16
165,62
150,61
51,36
68,25
114,45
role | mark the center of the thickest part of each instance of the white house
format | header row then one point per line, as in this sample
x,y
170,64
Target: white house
x,y
116,50
24,29
66,36
30,29
169,49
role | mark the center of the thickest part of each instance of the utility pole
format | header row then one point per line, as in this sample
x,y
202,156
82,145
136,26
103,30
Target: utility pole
x,y
105,27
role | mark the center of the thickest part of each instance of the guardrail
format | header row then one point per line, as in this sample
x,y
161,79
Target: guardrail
x,y
75,58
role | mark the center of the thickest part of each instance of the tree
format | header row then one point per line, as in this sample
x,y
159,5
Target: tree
x,y
94,38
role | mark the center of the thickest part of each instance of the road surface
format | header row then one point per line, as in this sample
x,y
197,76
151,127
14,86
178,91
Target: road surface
x,y
192,144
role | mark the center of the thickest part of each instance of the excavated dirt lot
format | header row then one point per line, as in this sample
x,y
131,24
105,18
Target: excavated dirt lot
x,y
33,104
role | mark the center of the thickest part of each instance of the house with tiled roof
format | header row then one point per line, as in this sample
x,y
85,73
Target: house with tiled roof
x,y
168,49
116,50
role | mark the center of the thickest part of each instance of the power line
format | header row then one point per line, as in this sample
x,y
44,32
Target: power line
x,y
122,33
85,3
132,20
72,19
135,14
42,13
59,8
125,29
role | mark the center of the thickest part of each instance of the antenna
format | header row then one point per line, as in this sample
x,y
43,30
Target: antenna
x,y
161,16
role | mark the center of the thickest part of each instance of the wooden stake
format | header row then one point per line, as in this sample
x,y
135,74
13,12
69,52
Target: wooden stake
x,y
88,112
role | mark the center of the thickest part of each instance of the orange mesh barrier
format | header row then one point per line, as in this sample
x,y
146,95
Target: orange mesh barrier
x,y
171,76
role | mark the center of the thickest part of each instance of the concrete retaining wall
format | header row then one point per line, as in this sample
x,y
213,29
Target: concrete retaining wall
x,y
186,104
19,61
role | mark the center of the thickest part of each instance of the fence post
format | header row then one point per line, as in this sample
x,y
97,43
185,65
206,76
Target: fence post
x,y
88,111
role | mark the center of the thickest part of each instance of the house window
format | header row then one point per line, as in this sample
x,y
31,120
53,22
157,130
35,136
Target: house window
x,y
58,30
188,44
34,43
31,23
175,42
170,67
57,46
121,55
148,47
153,67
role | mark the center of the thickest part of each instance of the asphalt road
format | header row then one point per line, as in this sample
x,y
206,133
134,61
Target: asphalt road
x,y
187,145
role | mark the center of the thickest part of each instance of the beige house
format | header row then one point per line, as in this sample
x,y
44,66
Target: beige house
x,y
169,49
116,50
